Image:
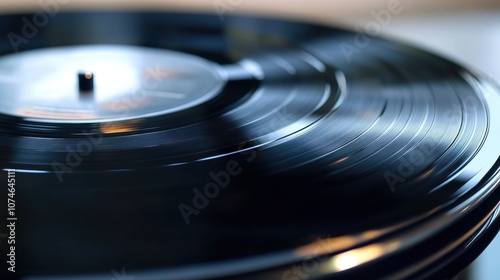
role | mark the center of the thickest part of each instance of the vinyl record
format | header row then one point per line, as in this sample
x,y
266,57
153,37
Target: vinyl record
x,y
180,146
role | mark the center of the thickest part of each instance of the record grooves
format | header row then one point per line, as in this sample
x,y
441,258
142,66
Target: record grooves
x,y
242,149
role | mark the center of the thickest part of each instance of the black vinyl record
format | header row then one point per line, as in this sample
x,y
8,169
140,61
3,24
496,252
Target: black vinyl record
x,y
180,146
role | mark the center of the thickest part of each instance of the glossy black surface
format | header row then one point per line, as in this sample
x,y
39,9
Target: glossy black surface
x,y
389,151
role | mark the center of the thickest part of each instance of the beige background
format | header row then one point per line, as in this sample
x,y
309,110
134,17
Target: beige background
x,y
319,10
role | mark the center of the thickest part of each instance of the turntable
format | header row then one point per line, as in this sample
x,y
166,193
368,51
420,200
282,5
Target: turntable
x,y
174,145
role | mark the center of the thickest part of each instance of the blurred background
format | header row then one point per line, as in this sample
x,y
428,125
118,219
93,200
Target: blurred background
x,y
466,31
